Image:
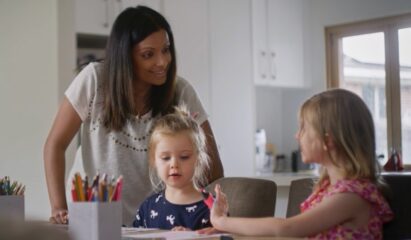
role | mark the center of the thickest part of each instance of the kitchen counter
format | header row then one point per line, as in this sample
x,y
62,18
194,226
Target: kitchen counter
x,y
283,179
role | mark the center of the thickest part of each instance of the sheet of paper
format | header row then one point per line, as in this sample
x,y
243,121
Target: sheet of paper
x,y
125,231
171,235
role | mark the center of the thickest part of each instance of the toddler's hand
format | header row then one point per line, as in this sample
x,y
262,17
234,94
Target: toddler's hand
x,y
180,228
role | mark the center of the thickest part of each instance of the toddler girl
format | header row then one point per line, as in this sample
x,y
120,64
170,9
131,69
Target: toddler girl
x,y
178,163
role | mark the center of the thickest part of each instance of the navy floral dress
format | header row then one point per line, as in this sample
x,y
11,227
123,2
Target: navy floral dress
x,y
157,212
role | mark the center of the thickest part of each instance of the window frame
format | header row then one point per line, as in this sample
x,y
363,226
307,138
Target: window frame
x,y
389,26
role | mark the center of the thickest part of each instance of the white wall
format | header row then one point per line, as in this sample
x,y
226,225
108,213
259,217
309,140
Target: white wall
x,y
192,43
32,62
268,101
232,102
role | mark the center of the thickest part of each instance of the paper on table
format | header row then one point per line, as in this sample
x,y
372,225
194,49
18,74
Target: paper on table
x,y
170,235
133,230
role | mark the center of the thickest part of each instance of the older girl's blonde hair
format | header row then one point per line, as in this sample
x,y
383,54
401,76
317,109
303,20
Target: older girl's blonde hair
x,y
343,116
171,124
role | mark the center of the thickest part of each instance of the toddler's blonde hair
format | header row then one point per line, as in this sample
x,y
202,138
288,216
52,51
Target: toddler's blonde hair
x,y
179,121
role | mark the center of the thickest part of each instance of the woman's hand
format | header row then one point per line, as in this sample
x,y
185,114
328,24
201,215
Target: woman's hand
x,y
220,207
59,216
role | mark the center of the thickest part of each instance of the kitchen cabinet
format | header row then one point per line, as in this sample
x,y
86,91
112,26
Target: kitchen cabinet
x,y
96,17
278,43
92,16
154,4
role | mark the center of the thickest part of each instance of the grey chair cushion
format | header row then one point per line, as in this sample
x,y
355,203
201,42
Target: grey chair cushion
x,y
248,197
299,190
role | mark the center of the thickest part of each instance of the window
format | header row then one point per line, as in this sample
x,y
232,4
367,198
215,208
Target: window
x,y
373,59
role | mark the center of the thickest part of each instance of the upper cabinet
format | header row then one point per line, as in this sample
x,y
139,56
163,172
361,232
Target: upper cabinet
x,y
278,43
92,17
97,16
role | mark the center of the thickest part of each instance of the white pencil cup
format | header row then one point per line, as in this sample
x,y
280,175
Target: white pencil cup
x,y
95,220
12,207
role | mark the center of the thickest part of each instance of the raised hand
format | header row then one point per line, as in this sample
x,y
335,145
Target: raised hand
x,y
220,206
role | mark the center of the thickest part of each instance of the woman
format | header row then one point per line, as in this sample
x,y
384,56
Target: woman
x,y
116,102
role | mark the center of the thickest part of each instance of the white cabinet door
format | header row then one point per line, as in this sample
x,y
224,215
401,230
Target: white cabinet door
x,y
285,42
278,42
93,16
260,46
97,16
154,4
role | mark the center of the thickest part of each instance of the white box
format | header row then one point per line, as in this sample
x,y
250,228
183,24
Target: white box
x,y
12,207
95,220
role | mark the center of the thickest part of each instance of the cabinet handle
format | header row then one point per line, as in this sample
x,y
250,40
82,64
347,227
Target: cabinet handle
x,y
273,66
262,64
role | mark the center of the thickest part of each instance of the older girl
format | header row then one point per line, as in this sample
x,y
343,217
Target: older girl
x,y
336,131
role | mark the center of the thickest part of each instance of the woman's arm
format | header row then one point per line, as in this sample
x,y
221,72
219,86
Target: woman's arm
x,y
65,126
212,151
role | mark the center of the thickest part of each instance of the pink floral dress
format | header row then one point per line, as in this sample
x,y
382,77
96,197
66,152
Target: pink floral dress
x,y
380,210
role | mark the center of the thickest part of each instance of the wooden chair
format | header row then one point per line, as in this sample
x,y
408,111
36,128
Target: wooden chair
x,y
248,197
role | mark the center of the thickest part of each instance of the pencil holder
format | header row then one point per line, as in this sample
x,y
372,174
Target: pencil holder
x,y
95,220
12,207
